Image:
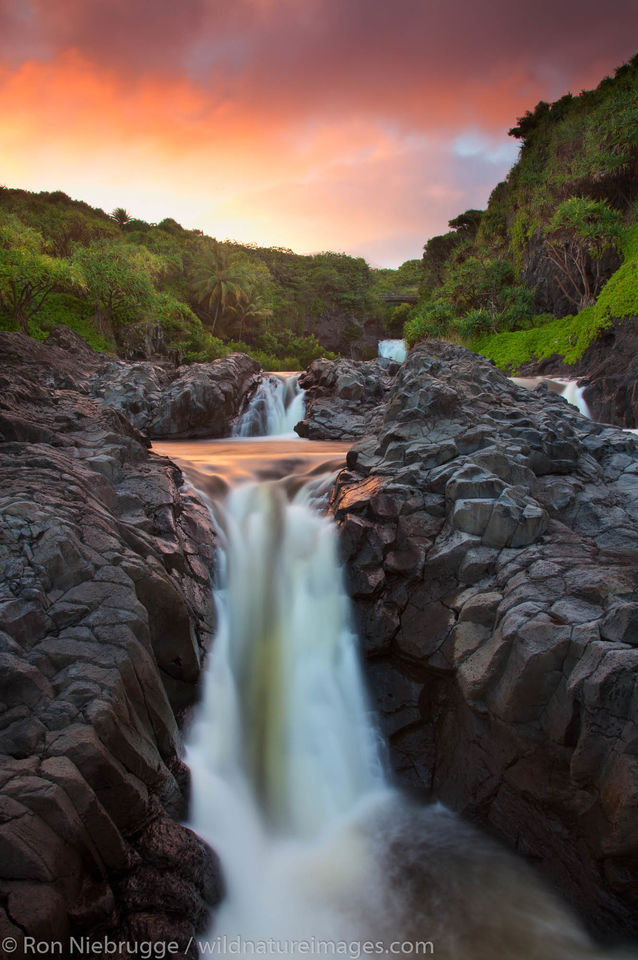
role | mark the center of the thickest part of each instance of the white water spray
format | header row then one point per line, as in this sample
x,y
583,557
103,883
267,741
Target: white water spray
x,y
284,747
393,350
277,405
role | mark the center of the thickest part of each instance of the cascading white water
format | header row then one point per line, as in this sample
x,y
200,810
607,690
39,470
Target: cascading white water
x,y
320,855
569,389
284,748
393,350
277,405
576,396
302,737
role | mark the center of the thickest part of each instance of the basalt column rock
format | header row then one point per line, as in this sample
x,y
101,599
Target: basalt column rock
x,y
198,400
344,398
491,539
105,613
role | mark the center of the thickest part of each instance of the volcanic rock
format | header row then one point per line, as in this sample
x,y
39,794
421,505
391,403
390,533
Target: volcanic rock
x,y
106,563
344,398
491,541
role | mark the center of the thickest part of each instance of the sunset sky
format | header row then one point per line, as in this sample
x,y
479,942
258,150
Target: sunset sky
x,y
353,125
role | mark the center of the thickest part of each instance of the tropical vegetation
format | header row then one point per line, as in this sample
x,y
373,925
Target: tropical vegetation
x,y
136,288
553,259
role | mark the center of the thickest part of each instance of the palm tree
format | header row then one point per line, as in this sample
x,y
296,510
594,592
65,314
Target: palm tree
x,y
250,307
121,216
218,281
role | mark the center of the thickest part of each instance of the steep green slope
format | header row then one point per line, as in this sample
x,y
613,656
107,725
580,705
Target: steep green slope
x,y
552,260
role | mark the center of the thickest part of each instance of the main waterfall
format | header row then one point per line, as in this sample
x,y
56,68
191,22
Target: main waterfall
x,y
321,854
284,752
284,704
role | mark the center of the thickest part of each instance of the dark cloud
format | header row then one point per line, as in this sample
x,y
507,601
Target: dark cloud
x,y
417,61
351,124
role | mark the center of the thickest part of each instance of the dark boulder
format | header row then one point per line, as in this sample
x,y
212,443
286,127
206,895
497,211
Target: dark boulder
x,y
200,400
344,398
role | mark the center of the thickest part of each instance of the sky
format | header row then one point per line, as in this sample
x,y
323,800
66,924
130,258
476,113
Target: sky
x,y
360,126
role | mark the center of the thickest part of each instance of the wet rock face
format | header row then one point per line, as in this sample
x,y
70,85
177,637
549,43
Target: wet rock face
x,y
200,400
105,611
491,539
344,398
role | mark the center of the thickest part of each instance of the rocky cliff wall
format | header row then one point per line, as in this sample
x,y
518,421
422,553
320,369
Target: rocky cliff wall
x,y
491,540
105,612
543,277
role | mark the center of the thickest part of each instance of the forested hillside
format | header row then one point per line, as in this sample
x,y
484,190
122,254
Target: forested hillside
x,y
142,289
554,257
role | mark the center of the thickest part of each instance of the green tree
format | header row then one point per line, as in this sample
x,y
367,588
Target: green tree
x,y
119,280
28,275
121,216
467,223
436,255
219,280
576,238
249,309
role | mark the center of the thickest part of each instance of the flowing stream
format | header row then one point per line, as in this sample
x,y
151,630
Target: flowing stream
x,y
321,854
569,389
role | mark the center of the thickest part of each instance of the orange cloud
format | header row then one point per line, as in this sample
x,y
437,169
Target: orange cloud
x,y
314,124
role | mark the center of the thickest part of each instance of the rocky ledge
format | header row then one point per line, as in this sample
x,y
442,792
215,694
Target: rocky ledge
x,y
105,610
160,400
491,538
344,398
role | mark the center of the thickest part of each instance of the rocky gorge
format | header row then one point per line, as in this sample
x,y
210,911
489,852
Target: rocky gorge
x,y
490,536
105,615
491,541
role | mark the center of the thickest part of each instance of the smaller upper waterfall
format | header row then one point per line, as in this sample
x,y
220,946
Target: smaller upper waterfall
x,y
575,395
393,350
569,389
277,405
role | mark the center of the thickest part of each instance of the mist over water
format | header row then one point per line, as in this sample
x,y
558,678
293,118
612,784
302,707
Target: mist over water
x,y
289,783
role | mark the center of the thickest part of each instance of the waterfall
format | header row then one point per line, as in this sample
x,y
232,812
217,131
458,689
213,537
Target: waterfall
x,y
576,396
277,405
569,389
303,743
284,749
321,854
393,350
